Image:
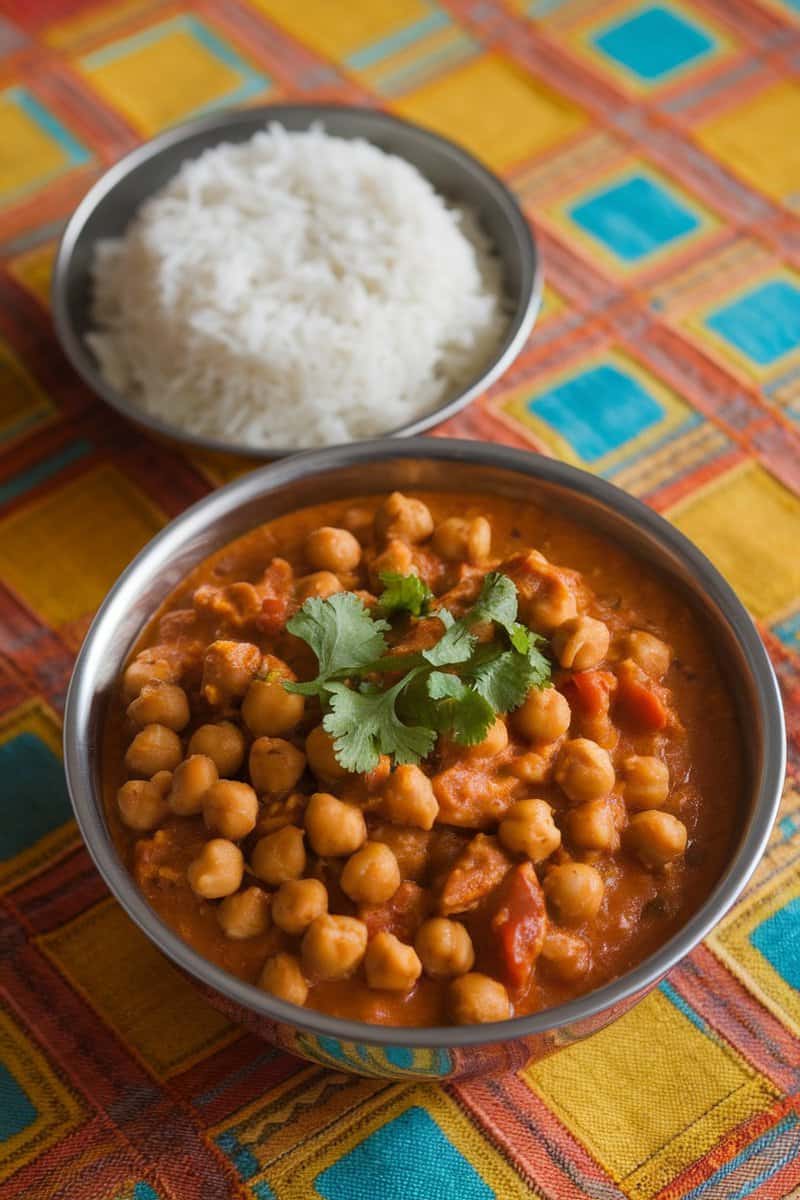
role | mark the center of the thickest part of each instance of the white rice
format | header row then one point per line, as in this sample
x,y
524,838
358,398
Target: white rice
x,y
295,290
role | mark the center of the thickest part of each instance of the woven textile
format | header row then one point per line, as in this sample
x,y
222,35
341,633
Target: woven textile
x,y
657,147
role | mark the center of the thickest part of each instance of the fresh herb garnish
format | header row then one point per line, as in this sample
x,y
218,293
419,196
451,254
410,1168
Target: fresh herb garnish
x,y
404,593
367,719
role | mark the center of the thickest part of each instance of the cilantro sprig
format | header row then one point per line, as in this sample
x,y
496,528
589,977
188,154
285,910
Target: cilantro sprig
x,y
456,687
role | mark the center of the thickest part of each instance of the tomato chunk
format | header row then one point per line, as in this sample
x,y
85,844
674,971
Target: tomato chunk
x,y
519,924
640,702
589,691
402,915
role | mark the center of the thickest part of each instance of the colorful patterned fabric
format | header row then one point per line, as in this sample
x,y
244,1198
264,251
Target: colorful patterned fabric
x,y
657,147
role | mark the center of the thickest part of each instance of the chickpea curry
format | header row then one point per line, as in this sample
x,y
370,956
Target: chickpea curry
x,y
419,760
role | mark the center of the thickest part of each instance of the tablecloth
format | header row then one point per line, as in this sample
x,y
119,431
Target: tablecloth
x,y
657,148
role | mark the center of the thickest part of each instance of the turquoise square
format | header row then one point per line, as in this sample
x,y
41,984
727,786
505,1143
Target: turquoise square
x,y
634,218
17,1111
598,411
35,799
410,1158
654,43
778,939
763,324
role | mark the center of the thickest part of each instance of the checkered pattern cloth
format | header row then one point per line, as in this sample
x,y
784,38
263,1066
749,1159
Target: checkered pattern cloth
x,y
656,145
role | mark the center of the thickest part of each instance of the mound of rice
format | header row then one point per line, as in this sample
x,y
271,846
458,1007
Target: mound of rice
x,y
295,290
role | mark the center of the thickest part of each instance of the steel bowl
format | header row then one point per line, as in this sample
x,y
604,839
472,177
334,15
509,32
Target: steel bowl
x,y
109,206
444,465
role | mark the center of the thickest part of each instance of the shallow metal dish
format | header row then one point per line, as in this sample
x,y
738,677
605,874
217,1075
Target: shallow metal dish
x,y
111,203
445,465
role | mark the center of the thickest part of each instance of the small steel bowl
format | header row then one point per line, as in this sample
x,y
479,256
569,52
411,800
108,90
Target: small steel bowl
x,y
439,464
112,202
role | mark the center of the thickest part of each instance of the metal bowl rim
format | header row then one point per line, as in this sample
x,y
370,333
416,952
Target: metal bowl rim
x,y
626,987
522,320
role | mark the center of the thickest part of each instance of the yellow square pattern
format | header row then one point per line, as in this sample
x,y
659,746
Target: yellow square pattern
x,y
166,74
669,1092
62,552
153,1008
516,405
22,402
27,155
58,1110
34,270
748,524
316,1119
731,942
337,30
494,108
759,140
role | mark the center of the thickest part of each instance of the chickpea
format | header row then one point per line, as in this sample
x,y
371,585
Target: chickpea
x,y
656,838
269,710
475,999
331,549
333,947
163,781
444,947
567,955
322,756
155,748
275,765
592,826
192,779
140,673
528,828
584,771
575,890
334,827
222,743
230,809
217,871
297,903
649,652
397,557
322,584
458,540
493,744
544,716
401,516
358,521
390,964
160,704
408,798
371,875
245,914
646,782
279,856
581,643
141,804
228,668
533,767
550,606
281,975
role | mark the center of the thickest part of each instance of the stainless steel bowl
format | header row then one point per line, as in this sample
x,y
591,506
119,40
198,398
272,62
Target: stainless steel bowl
x,y
424,463
108,207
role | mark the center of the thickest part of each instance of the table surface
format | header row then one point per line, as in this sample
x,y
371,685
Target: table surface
x,y
657,147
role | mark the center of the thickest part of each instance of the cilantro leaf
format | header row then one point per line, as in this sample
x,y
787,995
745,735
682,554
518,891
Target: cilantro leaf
x,y
497,601
404,593
505,679
342,634
467,714
455,646
366,725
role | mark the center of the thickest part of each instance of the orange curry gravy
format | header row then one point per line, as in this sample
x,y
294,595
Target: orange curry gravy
x,y
684,719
